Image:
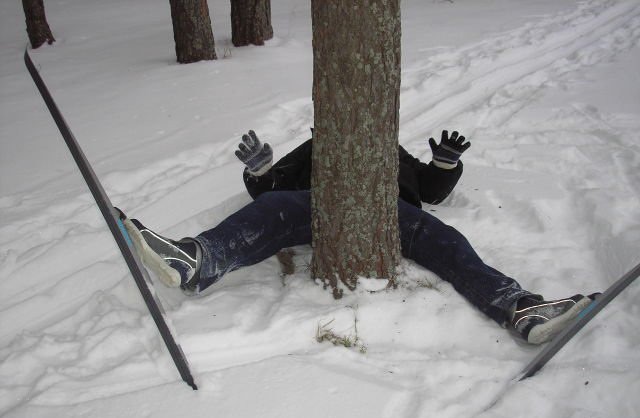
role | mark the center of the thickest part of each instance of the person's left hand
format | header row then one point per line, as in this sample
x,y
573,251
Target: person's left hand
x,y
257,157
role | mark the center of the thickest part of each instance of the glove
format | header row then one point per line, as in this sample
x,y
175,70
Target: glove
x,y
448,152
254,155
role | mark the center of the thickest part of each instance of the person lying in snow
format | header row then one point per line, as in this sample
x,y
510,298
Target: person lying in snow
x,y
418,182
279,219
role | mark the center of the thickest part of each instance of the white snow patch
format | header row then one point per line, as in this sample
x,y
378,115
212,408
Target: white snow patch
x,y
546,90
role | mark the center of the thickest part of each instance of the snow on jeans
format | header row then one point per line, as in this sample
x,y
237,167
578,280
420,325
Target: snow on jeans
x,y
282,219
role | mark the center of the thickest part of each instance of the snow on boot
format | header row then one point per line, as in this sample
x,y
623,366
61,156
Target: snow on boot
x,y
538,321
176,263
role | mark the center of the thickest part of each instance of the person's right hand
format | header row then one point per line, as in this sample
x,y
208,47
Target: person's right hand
x,y
447,153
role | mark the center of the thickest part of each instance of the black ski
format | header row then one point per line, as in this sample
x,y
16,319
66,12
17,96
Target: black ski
x,y
585,316
115,225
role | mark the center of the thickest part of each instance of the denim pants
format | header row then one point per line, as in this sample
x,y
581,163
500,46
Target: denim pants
x,y
282,219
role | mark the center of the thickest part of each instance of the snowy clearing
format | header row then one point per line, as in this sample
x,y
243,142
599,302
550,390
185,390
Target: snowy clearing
x,y
547,91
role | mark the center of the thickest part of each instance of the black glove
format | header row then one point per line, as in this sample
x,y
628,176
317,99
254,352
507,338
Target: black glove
x,y
448,152
254,155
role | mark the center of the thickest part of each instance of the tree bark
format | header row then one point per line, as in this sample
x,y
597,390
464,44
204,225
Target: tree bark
x,y
354,184
192,31
37,26
250,22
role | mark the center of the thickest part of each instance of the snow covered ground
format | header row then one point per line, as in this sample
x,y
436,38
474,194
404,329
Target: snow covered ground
x,y
548,91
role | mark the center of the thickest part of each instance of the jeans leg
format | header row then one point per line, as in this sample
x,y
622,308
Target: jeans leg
x,y
273,221
277,220
446,252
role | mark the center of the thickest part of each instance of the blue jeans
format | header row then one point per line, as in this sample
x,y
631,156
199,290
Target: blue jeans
x,y
282,219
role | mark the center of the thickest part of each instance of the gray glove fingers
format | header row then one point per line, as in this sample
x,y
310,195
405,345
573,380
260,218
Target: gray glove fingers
x,y
461,144
244,153
251,141
254,137
433,144
247,141
267,148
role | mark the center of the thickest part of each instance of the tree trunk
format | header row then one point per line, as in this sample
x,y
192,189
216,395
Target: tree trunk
x,y
192,31
354,184
250,22
37,26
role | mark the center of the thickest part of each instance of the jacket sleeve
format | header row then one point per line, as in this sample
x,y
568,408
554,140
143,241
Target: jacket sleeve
x,y
291,172
434,183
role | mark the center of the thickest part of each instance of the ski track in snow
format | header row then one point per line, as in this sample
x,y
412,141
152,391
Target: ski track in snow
x,y
477,89
530,57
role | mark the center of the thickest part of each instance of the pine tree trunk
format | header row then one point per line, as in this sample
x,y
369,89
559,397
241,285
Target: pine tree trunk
x,y
250,22
192,31
37,26
354,186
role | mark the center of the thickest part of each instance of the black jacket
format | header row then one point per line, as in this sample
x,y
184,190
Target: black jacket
x,y
418,182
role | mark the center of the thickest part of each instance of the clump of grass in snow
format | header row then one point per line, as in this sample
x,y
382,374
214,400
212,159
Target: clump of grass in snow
x,y
324,333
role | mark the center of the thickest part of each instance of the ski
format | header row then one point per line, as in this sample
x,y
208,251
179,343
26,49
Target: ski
x,y
111,216
580,321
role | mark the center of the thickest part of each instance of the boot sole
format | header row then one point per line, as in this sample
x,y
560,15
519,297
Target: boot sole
x,y
168,276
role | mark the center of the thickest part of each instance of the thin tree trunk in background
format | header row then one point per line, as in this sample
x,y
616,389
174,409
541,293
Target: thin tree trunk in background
x,y
37,27
354,185
250,22
192,31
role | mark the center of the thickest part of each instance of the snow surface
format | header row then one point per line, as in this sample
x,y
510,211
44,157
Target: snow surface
x,y
548,92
